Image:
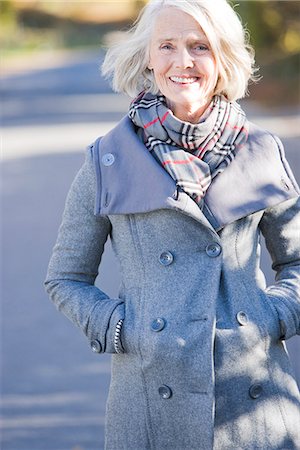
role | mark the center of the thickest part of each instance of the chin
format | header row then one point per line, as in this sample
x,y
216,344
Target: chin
x,y
190,100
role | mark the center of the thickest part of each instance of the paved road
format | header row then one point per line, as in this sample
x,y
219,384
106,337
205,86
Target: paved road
x,y
53,387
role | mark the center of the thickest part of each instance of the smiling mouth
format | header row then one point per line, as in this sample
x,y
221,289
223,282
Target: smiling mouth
x,y
184,80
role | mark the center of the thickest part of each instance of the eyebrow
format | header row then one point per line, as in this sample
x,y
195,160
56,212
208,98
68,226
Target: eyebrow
x,y
192,38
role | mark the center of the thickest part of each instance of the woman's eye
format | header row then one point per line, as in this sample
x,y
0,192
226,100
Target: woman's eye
x,y
166,47
201,47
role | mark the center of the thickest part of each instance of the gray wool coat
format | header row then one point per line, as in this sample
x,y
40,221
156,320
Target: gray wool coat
x,y
204,363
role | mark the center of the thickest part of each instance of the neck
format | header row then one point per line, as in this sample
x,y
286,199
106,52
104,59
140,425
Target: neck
x,y
190,113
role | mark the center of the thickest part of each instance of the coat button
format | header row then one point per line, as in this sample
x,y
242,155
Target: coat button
x,y
213,250
242,318
166,258
165,392
96,346
158,324
108,159
255,391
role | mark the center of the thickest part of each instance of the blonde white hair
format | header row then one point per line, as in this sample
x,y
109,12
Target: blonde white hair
x,y
127,62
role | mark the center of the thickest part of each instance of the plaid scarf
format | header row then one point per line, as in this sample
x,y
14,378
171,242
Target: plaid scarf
x,y
193,154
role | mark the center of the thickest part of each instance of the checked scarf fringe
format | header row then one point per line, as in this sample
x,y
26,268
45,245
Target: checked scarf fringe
x,y
193,154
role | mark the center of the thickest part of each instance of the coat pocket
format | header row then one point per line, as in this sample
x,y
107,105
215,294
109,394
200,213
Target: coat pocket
x,y
271,324
128,333
117,337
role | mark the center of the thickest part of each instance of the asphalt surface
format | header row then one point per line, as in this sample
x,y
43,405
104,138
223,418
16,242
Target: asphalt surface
x,y
53,387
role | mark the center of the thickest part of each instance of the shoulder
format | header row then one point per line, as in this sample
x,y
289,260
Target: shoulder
x,y
265,142
123,128
121,135
260,138
268,150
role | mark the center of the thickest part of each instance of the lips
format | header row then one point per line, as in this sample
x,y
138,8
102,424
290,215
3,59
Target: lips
x,y
184,80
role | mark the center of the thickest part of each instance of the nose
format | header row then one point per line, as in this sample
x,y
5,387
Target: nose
x,y
184,59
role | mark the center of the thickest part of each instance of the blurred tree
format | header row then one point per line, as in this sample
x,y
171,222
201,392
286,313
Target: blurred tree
x,y
7,13
274,25
9,25
38,24
274,32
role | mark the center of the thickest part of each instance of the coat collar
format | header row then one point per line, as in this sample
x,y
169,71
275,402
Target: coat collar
x,y
130,180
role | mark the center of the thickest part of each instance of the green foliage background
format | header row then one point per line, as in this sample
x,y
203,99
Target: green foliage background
x,y
273,26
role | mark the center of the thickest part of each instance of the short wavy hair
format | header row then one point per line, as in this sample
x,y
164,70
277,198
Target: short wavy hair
x,y
126,62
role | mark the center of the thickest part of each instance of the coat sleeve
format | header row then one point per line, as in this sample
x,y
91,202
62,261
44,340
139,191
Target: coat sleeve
x,y
74,264
280,226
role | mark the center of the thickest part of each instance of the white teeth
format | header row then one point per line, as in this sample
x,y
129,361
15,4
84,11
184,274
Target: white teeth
x,y
183,80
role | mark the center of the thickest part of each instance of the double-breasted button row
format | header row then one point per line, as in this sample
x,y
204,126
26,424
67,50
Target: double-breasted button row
x,y
213,250
255,391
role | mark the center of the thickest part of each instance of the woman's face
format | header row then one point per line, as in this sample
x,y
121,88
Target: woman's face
x,y
183,64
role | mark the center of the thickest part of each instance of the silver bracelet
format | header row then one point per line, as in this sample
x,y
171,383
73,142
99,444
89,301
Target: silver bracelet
x,y
117,337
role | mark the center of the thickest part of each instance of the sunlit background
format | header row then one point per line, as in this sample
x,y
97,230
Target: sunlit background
x,y
53,104
29,27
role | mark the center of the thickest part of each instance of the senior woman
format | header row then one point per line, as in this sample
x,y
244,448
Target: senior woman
x,y
184,186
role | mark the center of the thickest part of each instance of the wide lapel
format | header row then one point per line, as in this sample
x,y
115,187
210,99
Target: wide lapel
x,y
130,180
258,177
